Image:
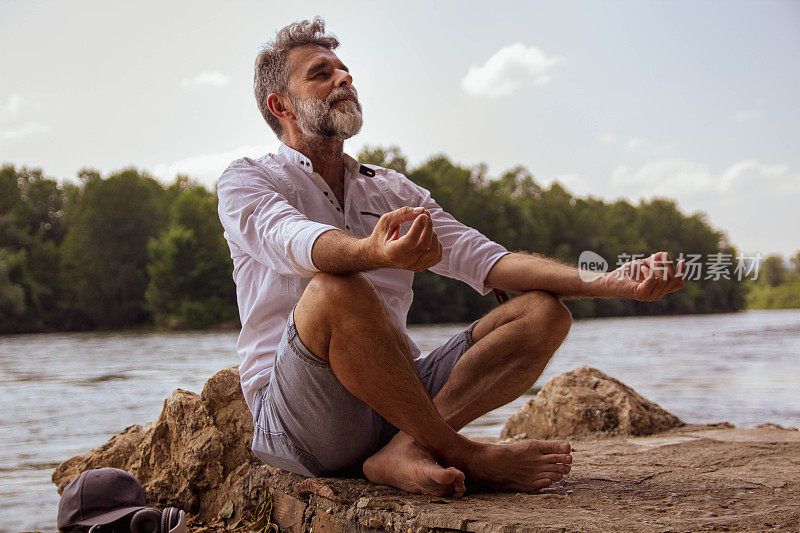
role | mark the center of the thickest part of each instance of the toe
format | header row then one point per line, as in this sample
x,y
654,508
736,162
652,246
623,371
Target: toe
x,y
556,467
459,484
441,476
557,458
540,484
553,446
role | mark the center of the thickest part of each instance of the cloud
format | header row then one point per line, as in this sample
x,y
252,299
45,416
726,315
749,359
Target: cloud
x,y
574,183
14,105
26,130
206,168
209,78
758,112
606,138
754,202
633,144
508,70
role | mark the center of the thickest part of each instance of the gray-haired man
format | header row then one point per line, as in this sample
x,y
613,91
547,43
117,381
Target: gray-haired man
x,y
325,251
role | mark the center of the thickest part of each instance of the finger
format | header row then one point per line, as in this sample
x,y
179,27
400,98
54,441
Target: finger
x,y
660,266
645,289
644,273
424,242
394,218
669,269
680,269
410,239
677,283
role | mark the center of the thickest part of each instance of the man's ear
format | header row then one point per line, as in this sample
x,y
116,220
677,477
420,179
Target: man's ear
x,y
279,106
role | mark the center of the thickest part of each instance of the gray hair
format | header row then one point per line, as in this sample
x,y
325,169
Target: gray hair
x,y
272,67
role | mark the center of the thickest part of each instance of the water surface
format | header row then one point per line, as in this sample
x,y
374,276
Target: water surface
x,y
63,394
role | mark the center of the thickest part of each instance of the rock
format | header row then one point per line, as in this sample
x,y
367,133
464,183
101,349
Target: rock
x,y
583,402
196,456
778,427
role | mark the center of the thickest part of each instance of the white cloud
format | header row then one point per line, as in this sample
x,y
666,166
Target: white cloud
x,y
756,113
509,69
26,130
606,138
14,105
206,168
211,78
633,144
754,202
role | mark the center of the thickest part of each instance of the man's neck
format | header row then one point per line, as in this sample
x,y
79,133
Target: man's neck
x,y
326,155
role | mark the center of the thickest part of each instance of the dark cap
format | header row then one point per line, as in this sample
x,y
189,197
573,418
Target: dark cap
x,y
98,497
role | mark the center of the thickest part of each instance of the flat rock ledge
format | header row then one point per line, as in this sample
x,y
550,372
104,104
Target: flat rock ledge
x,y
687,478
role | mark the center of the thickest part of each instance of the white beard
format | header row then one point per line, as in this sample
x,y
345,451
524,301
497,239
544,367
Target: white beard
x,y
318,118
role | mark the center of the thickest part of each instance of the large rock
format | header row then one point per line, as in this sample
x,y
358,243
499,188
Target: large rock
x,y
196,456
585,401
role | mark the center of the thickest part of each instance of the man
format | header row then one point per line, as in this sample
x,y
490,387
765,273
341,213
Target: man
x,y
325,251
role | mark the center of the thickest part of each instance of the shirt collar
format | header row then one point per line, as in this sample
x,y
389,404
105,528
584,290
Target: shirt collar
x,y
296,158
351,166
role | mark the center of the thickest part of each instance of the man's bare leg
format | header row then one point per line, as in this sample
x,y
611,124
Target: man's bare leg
x,y
341,319
512,346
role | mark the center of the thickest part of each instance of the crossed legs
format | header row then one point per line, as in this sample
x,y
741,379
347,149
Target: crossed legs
x,y
341,319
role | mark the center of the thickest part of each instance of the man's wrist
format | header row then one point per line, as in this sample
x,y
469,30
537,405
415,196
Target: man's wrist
x,y
371,253
606,287
595,285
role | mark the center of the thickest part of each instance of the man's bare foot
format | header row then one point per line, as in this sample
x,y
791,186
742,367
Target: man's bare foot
x,y
408,466
525,466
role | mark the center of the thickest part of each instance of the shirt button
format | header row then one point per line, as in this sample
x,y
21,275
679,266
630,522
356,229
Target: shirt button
x,y
338,209
325,193
346,226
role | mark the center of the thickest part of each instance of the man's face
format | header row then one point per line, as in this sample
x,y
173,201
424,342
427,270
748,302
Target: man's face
x,y
322,94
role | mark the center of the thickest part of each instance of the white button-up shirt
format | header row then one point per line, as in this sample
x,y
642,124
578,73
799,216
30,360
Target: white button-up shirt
x,y
274,208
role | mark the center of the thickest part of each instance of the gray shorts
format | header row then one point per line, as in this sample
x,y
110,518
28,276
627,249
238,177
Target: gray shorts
x,y
306,422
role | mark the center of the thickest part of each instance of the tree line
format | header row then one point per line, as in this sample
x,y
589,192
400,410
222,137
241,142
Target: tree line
x,y
778,285
125,251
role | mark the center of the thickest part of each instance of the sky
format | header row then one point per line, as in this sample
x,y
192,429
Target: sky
x,y
694,101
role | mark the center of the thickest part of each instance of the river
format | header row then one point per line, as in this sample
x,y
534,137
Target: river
x,y
63,394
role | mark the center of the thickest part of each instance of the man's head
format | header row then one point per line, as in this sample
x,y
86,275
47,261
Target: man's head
x,y
301,84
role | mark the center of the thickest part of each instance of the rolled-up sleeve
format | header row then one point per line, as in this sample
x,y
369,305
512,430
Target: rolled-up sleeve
x,y
467,254
260,221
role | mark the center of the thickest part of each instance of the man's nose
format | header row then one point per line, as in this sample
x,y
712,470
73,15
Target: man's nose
x,y
343,78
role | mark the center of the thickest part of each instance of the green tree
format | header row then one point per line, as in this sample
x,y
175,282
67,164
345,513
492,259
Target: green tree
x,y
795,259
105,251
190,265
773,270
31,228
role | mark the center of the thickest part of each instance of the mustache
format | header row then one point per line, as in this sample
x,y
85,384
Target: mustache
x,y
342,93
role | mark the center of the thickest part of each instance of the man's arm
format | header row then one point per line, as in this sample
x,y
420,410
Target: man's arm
x,y
417,250
645,279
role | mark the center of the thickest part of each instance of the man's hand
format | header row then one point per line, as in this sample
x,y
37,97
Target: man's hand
x,y
417,250
644,279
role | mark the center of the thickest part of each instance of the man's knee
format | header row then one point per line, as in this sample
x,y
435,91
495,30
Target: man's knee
x,y
544,315
328,291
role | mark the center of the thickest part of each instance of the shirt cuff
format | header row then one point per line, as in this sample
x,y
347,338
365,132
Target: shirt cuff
x,y
488,266
305,239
